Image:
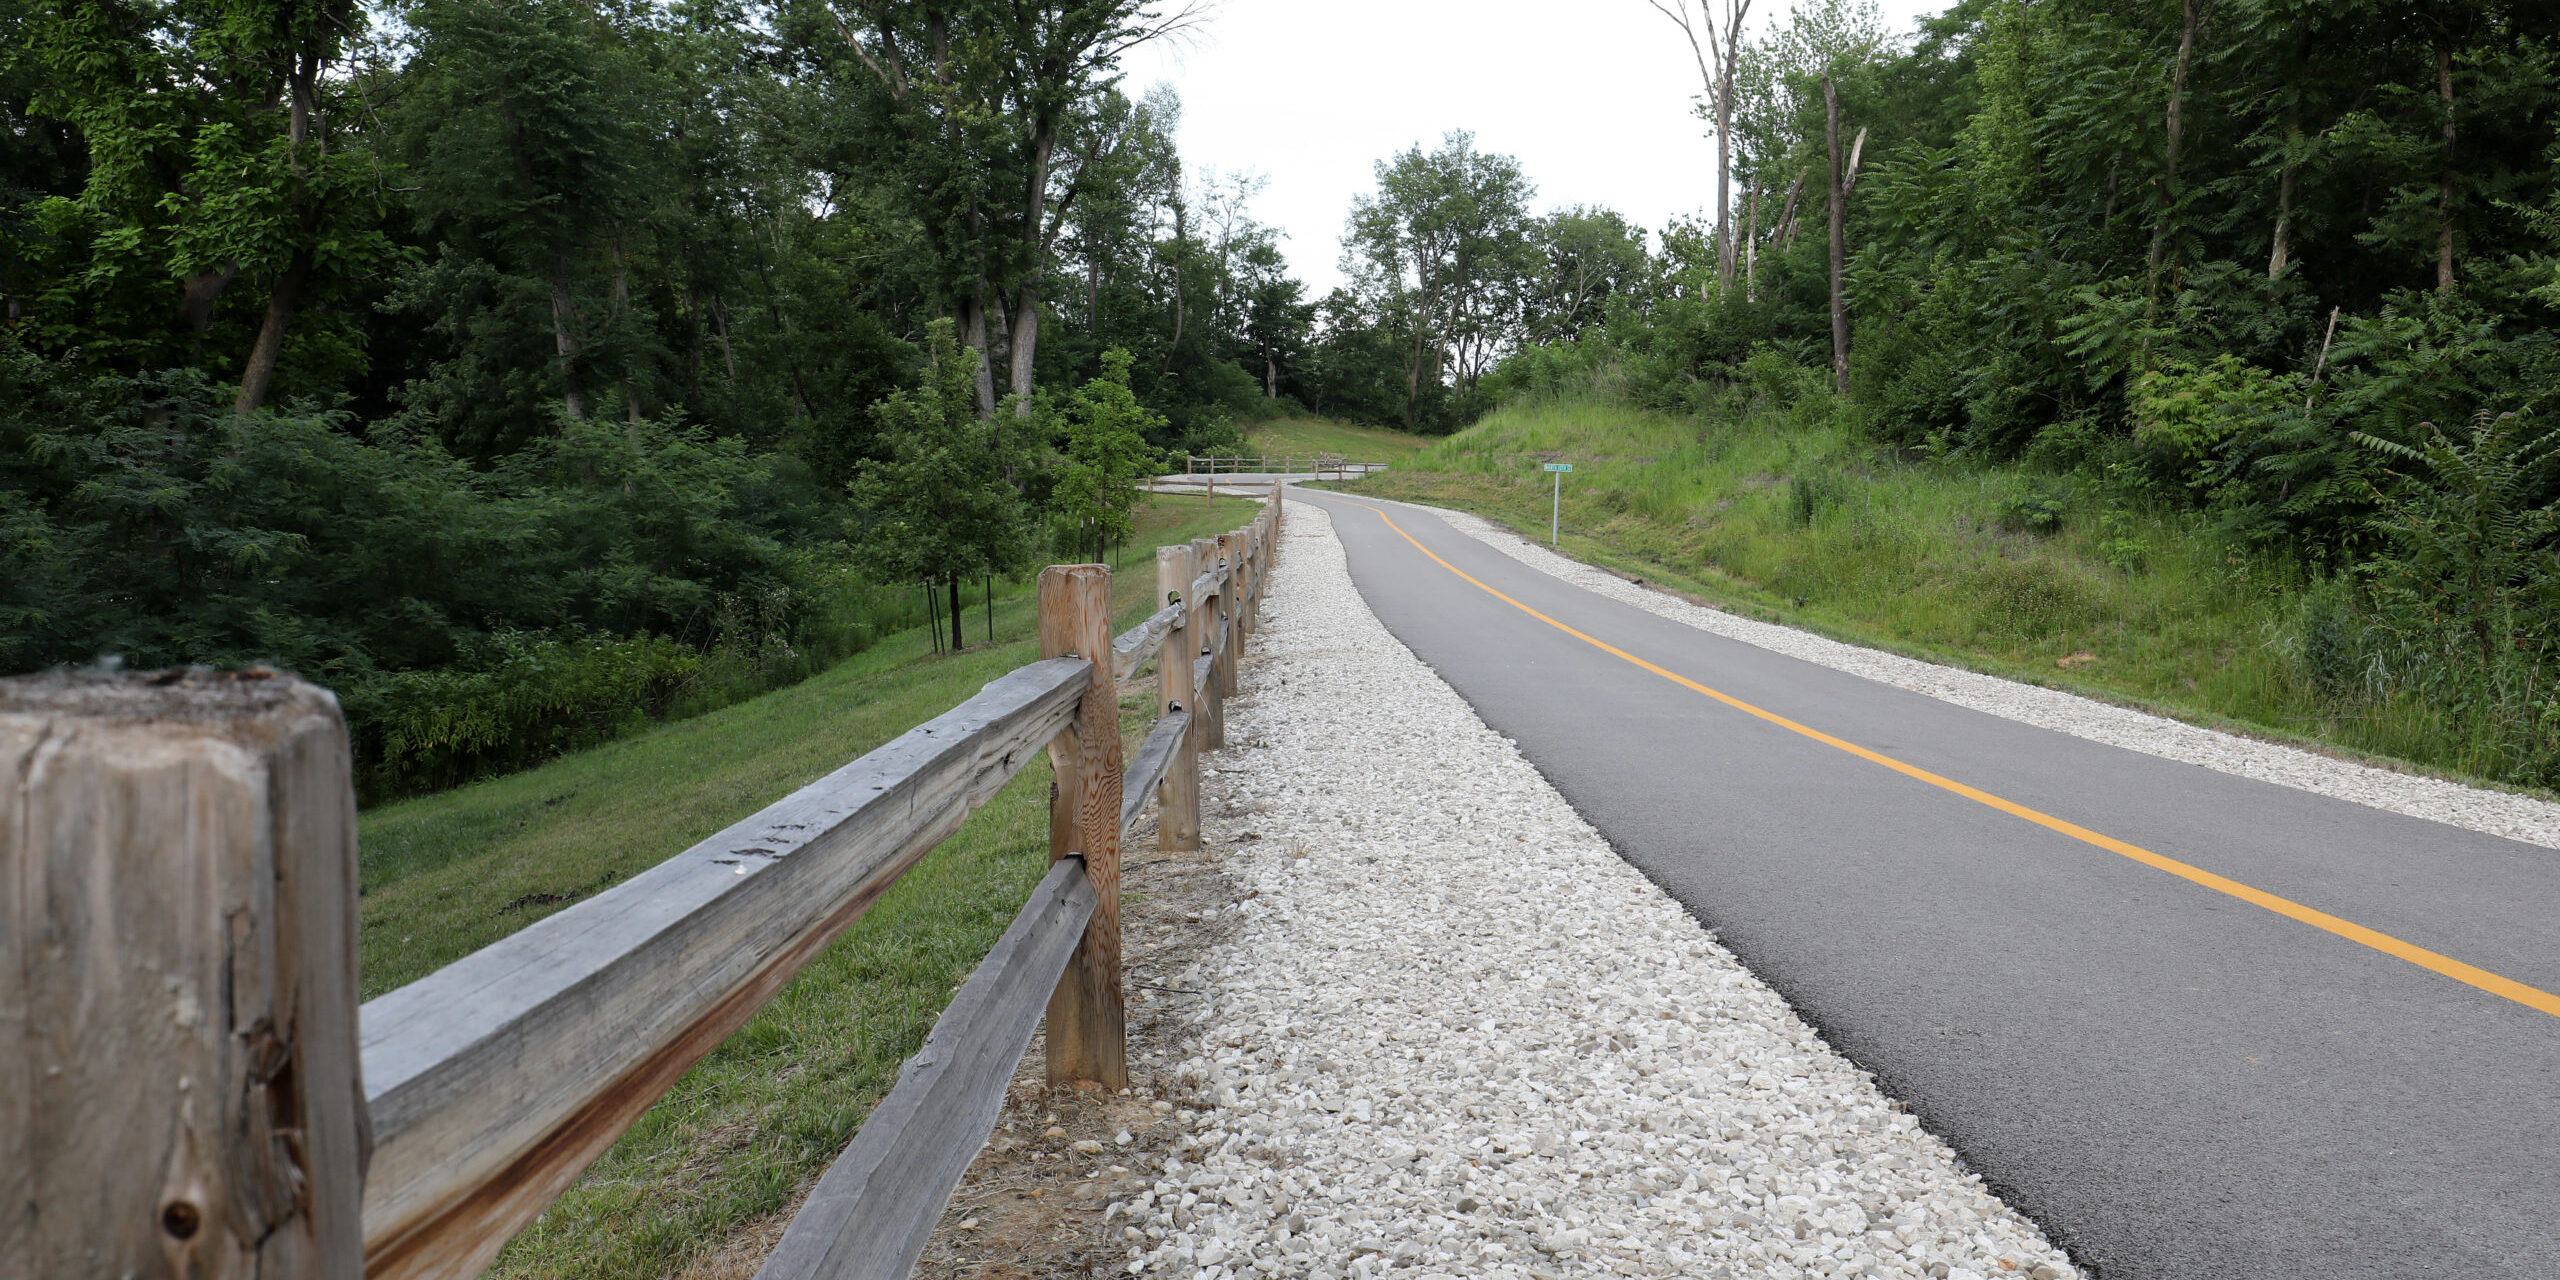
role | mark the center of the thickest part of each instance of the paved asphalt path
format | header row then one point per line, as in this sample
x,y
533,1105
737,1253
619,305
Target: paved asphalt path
x,y
2175,1083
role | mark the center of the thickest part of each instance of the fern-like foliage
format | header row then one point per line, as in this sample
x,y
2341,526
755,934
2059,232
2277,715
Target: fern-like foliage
x,y
2471,550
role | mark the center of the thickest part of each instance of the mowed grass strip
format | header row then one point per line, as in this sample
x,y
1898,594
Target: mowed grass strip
x,y
761,1117
1302,437
1800,520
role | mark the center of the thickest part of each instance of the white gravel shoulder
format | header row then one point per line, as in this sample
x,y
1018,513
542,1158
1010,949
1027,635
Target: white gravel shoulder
x,y
2496,813
1453,1034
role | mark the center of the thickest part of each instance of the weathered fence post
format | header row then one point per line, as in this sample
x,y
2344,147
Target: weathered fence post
x,y
178,979
1239,581
1211,714
1087,1023
1178,799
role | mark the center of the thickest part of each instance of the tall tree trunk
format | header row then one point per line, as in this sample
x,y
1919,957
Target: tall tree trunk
x,y
693,349
1025,342
1724,177
286,296
720,324
973,335
2281,251
2444,193
1786,236
201,291
1752,244
1413,381
957,644
1093,296
2190,13
281,301
564,339
1270,375
621,323
1000,340
1839,242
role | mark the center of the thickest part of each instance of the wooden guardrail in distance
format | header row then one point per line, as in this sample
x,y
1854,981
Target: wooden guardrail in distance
x,y
198,1094
1321,465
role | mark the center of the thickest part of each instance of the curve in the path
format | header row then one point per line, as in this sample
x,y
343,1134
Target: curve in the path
x,y
2300,1038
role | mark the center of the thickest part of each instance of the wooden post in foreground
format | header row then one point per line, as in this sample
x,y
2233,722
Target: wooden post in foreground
x,y
1088,1039
1178,799
178,979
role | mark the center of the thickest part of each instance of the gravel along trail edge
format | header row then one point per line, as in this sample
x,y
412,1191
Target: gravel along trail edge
x,y
1450,1032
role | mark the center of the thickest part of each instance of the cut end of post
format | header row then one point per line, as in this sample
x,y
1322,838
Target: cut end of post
x,y
197,826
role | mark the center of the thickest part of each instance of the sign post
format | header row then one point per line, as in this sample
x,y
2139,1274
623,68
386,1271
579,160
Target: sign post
x,y
1555,508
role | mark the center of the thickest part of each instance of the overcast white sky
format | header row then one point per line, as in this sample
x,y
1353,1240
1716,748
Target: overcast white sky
x,y
1592,96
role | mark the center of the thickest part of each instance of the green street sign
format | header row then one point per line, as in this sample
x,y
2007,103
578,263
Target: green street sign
x,y
1559,466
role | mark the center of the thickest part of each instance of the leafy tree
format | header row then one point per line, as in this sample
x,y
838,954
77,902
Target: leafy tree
x,y
943,507
219,151
1274,318
976,105
1102,431
523,140
564,323
1439,252
1587,257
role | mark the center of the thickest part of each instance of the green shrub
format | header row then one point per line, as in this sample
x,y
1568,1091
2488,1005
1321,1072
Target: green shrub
x,y
2038,510
607,571
523,700
2029,598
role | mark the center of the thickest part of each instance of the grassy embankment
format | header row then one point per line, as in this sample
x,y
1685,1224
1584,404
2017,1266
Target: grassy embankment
x,y
2036,577
731,1144
1304,436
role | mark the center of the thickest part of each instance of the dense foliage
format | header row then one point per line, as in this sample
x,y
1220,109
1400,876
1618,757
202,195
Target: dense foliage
x,y
523,367
2287,266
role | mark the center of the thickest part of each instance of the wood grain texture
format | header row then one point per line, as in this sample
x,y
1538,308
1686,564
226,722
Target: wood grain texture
x,y
871,1214
1230,550
178,979
1213,631
496,1079
1178,796
1131,648
1088,1038
1154,762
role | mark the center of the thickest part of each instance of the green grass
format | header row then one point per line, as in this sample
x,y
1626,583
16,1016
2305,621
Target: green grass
x,y
446,874
1302,436
1799,520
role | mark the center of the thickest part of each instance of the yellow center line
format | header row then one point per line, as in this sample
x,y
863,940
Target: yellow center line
x,y
2471,975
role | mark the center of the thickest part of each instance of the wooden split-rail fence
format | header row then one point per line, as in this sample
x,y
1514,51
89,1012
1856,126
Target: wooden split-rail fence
x,y
193,1091
1320,465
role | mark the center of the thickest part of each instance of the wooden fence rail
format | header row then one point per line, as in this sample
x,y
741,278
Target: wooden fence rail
x,y
1321,465
177,963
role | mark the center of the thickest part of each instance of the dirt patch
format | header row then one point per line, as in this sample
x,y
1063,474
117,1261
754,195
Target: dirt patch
x,y
1044,1199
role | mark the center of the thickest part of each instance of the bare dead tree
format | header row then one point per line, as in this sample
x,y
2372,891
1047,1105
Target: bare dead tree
x,y
1719,55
